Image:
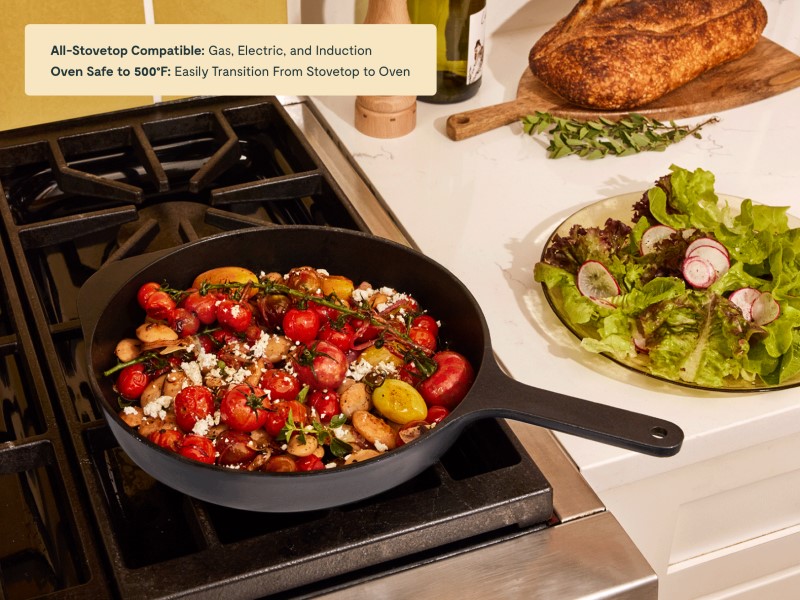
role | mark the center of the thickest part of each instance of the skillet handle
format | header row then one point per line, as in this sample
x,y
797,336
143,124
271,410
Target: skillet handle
x,y
502,396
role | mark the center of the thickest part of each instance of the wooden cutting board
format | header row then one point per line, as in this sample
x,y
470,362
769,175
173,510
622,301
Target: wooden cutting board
x,y
767,70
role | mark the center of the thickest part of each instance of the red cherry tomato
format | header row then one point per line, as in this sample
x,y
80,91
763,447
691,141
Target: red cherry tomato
x,y
192,404
423,337
144,292
364,330
320,365
159,305
325,403
309,463
301,325
242,408
234,448
205,307
341,336
282,463
171,439
450,382
132,380
184,322
278,413
410,374
236,316
197,447
426,322
280,384
436,414
325,313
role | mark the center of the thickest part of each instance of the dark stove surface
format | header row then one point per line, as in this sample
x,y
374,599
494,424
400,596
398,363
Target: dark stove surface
x,y
79,519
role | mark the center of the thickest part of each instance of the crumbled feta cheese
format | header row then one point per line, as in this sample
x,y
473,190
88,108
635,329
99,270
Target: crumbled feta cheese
x,y
380,446
358,369
192,370
130,410
331,465
157,408
206,360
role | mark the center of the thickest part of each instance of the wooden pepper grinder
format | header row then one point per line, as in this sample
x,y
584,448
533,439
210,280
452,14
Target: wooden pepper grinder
x,y
386,116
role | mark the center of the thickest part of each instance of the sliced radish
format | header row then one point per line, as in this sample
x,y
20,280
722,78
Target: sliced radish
x,y
698,272
596,281
743,298
713,255
653,235
706,241
765,309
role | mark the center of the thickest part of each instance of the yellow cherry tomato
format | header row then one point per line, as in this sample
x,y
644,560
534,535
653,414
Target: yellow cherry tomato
x,y
376,356
399,402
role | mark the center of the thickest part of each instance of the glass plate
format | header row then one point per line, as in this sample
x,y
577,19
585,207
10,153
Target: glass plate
x,y
620,208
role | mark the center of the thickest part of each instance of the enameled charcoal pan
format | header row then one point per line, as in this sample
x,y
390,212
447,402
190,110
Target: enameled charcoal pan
x,y
109,312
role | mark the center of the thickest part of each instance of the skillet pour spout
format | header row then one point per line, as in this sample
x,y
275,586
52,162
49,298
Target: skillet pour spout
x,y
109,312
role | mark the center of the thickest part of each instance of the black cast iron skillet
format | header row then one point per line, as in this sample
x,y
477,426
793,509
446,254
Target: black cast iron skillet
x,y
109,312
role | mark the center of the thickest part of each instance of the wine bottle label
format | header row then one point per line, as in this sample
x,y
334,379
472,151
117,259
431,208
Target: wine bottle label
x,y
476,45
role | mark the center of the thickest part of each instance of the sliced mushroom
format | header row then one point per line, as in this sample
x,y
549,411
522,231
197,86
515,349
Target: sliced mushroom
x,y
355,398
304,446
276,348
132,416
360,456
256,369
374,429
127,349
152,391
173,383
150,332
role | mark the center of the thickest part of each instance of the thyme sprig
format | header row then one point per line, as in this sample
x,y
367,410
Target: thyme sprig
x,y
597,138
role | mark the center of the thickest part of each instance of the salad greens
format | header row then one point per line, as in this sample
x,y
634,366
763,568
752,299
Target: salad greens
x,y
682,332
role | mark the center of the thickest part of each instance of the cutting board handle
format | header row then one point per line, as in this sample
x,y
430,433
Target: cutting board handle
x,y
473,122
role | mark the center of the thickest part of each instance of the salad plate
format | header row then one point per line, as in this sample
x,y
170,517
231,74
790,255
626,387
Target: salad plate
x,y
766,356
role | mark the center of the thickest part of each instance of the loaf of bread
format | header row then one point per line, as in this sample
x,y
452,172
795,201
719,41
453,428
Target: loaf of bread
x,y
622,54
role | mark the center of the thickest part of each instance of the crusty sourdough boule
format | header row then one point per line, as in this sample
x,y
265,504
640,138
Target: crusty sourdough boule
x,y
622,54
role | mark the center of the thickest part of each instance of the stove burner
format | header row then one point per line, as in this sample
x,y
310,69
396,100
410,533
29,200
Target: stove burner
x,y
167,224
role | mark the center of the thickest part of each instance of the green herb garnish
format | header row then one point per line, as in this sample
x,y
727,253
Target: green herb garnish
x,y
631,134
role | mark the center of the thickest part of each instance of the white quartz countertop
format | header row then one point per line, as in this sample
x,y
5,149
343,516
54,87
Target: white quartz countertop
x,y
483,207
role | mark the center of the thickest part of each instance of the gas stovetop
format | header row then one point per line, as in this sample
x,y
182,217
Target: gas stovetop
x,y
78,517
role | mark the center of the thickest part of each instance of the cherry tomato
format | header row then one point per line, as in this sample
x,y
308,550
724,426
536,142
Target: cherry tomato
x,y
450,382
325,313
325,403
423,337
436,414
192,404
301,325
282,463
411,431
171,439
320,365
426,322
132,380
364,330
204,306
242,408
234,448
208,343
197,447
278,413
144,292
159,305
236,316
410,374
341,336
280,384
309,463
222,337
184,322
304,279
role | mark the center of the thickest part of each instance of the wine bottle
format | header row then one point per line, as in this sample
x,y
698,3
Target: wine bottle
x,y
460,43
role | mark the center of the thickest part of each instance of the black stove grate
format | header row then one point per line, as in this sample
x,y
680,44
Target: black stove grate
x,y
79,194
